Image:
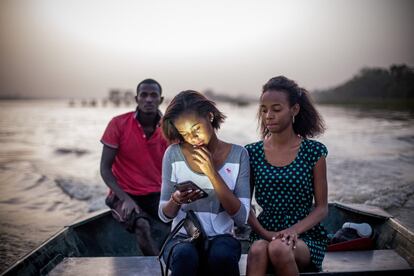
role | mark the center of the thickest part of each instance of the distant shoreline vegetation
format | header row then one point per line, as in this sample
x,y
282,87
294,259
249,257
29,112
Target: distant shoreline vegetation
x,y
373,87
125,97
235,100
17,97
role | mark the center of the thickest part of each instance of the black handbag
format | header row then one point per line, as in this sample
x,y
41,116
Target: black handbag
x,y
196,233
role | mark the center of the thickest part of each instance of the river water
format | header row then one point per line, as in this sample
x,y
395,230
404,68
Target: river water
x,y
49,163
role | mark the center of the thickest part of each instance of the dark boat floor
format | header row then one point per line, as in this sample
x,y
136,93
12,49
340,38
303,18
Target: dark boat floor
x,y
335,263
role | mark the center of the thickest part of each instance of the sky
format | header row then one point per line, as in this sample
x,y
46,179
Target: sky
x,y
84,48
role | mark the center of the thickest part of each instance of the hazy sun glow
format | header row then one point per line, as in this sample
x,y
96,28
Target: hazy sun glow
x,y
83,48
162,27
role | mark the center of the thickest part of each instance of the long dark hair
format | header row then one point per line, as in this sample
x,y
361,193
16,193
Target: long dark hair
x,y
187,102
308,122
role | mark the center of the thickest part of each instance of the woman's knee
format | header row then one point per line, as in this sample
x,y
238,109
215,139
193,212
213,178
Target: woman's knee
x,y
186,252
184,260
258,249
280,252
220,258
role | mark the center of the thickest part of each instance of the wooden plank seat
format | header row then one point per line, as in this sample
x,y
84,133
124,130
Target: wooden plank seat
x,y
388,262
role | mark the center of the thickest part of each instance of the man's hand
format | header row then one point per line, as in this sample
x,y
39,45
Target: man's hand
x,y
128,206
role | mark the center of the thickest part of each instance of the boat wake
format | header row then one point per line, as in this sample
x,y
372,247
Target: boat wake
x,y
379,183
79,189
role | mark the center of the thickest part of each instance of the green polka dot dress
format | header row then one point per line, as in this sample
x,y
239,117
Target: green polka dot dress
x,y
286,194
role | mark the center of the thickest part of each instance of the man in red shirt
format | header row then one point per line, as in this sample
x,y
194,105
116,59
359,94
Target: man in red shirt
x,y
133,147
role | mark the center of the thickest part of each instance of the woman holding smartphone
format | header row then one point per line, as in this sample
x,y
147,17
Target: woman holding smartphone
x,y
220,169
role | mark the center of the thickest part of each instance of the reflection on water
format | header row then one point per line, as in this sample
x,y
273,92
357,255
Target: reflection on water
x,y
50,154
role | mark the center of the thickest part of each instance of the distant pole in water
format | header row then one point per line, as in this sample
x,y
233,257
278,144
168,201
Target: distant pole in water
x,y
128,97
115,97
93,103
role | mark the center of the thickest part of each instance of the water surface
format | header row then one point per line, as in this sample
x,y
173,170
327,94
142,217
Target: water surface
x,y
49,163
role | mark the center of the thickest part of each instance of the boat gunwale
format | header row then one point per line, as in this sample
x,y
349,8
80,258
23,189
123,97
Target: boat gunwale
x,y
396,225
88,218
29,254
66,229
357,208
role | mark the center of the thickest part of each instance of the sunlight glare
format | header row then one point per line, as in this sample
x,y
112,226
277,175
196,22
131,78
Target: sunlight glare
x,y
161,27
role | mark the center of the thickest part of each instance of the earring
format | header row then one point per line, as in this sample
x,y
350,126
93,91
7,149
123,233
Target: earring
x,y
293,120
212,119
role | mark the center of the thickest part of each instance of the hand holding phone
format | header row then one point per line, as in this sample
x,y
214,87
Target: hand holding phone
x,y
191,186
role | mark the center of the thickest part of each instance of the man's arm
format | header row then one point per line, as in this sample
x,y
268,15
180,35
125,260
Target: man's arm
x,y
107,159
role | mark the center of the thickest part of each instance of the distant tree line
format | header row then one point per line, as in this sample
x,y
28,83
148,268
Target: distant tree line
x,y
236,100
118,97
373,85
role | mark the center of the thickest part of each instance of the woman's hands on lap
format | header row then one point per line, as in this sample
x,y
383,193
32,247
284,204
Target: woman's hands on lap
x,y
288,236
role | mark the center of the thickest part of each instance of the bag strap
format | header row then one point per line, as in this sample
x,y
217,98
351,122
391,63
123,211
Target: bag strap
x,y
173,232
167,265
191,215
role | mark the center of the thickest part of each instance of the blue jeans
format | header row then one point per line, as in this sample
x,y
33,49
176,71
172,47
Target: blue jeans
x,y
221,258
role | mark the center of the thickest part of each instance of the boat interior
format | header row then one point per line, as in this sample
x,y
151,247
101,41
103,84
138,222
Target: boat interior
x,y
98,245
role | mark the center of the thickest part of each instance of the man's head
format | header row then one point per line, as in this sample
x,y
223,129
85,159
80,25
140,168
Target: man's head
x,y
149,96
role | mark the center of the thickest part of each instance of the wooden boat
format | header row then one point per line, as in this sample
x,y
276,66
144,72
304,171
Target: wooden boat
x,y
98,245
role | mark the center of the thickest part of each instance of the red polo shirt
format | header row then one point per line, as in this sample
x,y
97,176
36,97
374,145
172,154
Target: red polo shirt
x,y
138,163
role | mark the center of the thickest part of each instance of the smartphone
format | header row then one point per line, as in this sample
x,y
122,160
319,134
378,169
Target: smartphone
x,y
190,185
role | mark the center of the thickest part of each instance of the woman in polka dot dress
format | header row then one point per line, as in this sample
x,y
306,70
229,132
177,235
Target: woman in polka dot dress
x,y
288,172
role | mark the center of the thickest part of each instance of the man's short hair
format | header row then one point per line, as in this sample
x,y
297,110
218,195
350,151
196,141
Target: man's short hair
x,y
149,81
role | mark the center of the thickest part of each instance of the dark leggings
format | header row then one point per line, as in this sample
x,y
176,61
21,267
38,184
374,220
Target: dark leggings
x,y
221,258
